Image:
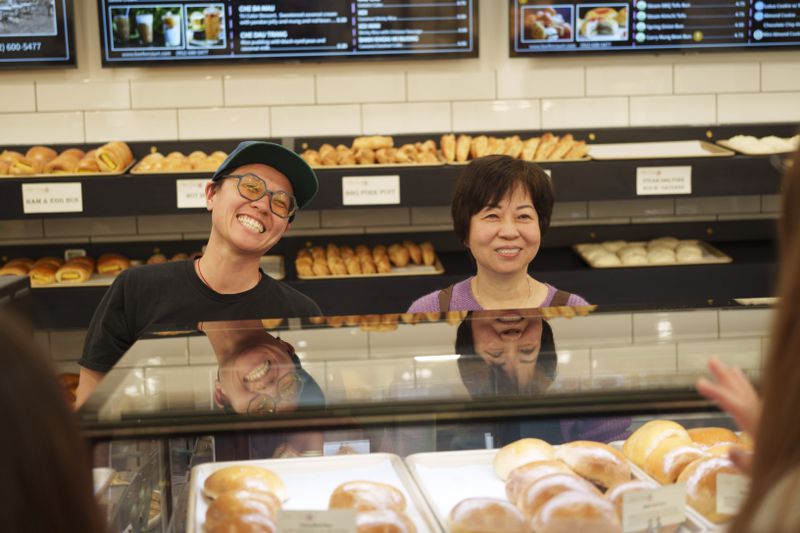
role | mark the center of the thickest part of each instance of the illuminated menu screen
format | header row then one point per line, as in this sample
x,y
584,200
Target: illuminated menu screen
x,y
136,31
542,27
36,33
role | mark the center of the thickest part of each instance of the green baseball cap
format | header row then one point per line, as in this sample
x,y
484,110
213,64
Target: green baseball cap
x,y
303,179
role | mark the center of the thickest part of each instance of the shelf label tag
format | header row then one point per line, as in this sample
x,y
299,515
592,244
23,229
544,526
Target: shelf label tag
x,y
663,180
345,447
650,510
371,190
52,198
330,521
732,490
191,193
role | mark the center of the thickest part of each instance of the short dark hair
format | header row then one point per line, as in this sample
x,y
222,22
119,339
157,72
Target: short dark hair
x,y
486,180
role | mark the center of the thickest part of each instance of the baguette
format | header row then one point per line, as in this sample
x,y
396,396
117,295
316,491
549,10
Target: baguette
x,y
529,148
462,148
448,143
562,147
479,146
546,145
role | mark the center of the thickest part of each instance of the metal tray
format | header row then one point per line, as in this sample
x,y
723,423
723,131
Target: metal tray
x,y
657,150
310,482
70,174
540,161
435,269
376,165
730,146
201,173
711,256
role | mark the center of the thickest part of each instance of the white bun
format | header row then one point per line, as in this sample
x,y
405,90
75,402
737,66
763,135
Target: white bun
x,y
519,453
573,511
647,438
599,463
484,515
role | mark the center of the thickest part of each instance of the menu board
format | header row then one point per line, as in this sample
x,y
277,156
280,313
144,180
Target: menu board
x,y
146,32
36,33
542,27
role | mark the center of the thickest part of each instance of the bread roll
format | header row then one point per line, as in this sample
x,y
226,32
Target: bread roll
x,y
27,263
428,146
112,264
644,440
399,255
320,268
710,436
546,145
448,143
156,259
353,266
114,157
664,242
514,146
367,496
248,523
496,146
311,157
700,478
635,260
661,256
519,453
368,266
384,521
336,266
364,156
73,272
43,274
687,254
86,261
244,477
614,246
64,163
10,156
41,153
485,515
529,148
52,261
606,260
26,166
463,144
428,255
616,493
541,491
668,460
562,147
14,269
5,167
239,503
383,265
89,162
479,146
373,142
599,463
575,511
414,252
523,476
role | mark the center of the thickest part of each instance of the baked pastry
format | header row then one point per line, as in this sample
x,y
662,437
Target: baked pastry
x,y
114,157
26,166
649,436
247,523
399,255
5,166
244,477
10,156
484,515
599,463
668,460
384,521
700,478
519,453
428,255
523,476
42,154
14,269
43,274
86,261
414,252
606,260
637,260
573,511
448,143
28,263
373,142
614,246
529,148
64,163
562,147
479,146
710,436
514,146
367,496
546,145
661,256
156,259
542,490
579,150
112,264
689,254
74,271
616,493
234,504
89,162
665,242
48,260
463,144
383,265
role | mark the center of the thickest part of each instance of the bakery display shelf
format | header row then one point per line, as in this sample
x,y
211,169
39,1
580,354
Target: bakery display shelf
x,y
711,256
310,482
657,150
537,161
435,269
62,175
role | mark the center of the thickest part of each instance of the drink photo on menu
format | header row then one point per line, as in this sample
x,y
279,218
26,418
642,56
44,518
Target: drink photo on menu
x,y
602,22
551,23
205,26
147,27
27,18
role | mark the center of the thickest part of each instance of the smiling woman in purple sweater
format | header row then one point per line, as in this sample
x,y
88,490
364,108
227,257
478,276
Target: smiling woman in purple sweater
x,y
501,209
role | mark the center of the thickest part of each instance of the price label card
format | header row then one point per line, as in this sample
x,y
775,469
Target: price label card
x,y
52,198
732,489
371,190
649,510
331,521
652,181
343,447
191,193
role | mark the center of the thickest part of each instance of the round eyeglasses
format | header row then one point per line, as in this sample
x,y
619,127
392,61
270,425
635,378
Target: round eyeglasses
x,y
253,188
289,388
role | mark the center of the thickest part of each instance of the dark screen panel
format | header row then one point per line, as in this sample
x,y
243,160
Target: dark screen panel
x,y
190,31
542,27
36,33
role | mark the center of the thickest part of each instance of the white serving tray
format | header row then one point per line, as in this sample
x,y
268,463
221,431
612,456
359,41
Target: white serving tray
x,y
711,256
657,150
311,480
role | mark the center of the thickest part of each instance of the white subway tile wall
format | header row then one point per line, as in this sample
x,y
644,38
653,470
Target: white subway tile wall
x,y
673,110
292,121
150,125
42,128
663,327
224,122
17,97
758,107
744,353
780,76
610,80
269,90
447,86
85,96
585,112
640,360
161,94
497,115
745,322
541,82
406,118
353,89
705,77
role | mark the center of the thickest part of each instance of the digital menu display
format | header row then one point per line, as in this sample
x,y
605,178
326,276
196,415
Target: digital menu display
x,y
36,33
142,32
542,27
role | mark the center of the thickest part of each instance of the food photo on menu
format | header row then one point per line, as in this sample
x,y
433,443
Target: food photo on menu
x,y
31,17
145,27
602,22
547,23
205,25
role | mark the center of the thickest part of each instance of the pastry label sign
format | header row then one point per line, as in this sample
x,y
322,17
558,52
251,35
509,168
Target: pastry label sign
x,y
191,193
371,190
663,180
52,198
732,490
345,447
330,521
650,510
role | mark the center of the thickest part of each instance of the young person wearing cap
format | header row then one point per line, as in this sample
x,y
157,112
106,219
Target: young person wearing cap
x,y
252,197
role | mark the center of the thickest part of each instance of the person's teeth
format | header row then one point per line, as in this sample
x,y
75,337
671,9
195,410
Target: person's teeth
x,y
508,250
251,223
257,373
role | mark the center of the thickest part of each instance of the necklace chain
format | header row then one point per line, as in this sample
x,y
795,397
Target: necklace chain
x,y
530,289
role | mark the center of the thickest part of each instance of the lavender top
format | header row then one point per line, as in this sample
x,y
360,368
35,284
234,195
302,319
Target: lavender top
x,y
462,299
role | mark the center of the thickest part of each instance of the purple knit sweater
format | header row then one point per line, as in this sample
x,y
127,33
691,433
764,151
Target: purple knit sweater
x,y
462,299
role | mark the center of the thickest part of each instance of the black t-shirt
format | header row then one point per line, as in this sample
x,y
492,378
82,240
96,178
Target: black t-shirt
x,y
171,293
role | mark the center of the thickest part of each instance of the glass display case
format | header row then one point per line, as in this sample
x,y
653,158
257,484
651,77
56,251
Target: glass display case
x,y
392,398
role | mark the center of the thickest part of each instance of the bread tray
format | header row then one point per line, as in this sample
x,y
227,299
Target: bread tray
x,y
657,150
376,165
60,175
201,173
725,143
311,480
435,269
538,161
711,256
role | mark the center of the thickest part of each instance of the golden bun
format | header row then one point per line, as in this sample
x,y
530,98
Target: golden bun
x,y
244,477
112,264
41,153
483,515
230,505
10,156
575,511
519,453
367,496
384,521
712,435
647,438
667,461
614,494
14,269
700,478
540,492
599,463
523,476
26,166
43,274
73,271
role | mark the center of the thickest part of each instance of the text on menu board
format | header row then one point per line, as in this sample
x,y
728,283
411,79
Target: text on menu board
x,y
35,33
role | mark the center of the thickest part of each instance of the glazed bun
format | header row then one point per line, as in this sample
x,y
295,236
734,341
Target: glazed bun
x,y
711,436
519,453
668,460
523,476
599,463
239,503
486,515
700,478
367,496
244,477
384,521
572,511
537,494
647,438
